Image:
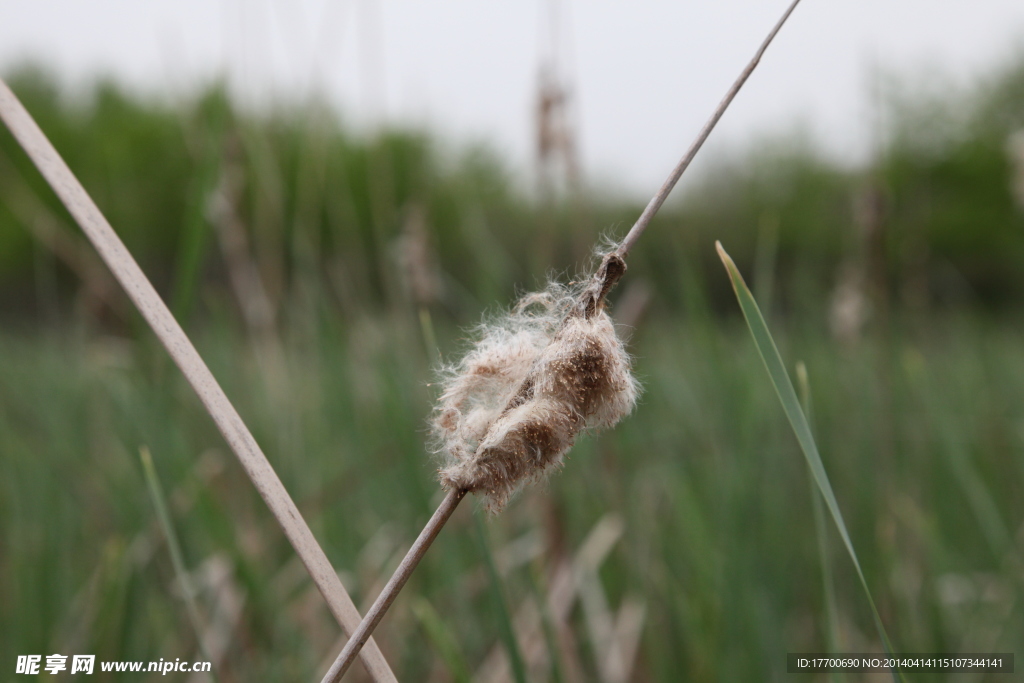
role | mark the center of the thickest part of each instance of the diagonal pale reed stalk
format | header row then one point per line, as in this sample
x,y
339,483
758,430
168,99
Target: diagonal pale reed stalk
x,y
591,298
155,311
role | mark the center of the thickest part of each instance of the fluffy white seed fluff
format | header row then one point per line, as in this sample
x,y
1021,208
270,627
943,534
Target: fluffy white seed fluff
x,y
534,379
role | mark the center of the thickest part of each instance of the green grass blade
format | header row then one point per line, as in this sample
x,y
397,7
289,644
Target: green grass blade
x,y
429,337
547,624
827,582
508,632
156,492
791,405
444,642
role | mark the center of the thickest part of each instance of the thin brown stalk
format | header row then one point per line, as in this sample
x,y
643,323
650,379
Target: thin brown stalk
x,y
652,208
178,345
606,277
394,586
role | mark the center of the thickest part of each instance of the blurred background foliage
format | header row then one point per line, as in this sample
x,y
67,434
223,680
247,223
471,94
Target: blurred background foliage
x,y
935,216
323,272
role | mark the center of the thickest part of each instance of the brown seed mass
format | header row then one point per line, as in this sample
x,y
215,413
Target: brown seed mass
x,y
533,381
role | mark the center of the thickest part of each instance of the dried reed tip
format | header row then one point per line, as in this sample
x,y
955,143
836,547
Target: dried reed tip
x,y
535,378
416,260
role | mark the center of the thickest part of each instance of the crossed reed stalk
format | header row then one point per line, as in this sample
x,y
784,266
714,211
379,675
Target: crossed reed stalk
x,y
153,309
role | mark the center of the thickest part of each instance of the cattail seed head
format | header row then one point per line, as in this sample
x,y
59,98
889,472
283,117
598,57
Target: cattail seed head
x,y
534,379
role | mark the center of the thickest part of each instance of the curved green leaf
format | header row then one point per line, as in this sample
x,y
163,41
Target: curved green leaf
x,y
791,405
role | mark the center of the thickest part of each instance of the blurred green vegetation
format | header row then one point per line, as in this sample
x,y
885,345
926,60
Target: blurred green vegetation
x,y
323,207
314,266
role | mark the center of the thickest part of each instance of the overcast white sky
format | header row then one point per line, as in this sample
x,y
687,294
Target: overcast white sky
x,y
645,74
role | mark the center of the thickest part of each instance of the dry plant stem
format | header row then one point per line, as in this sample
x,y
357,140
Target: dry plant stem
x,y
156,313
659,199
394,585
611,270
